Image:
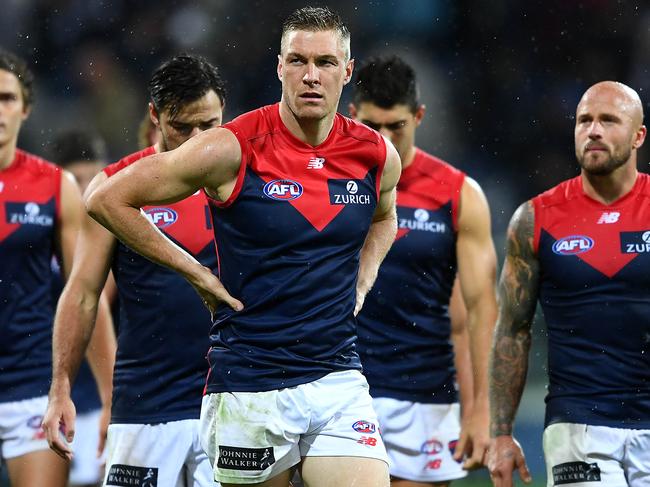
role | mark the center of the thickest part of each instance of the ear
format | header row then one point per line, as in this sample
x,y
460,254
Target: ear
x,y
153,115
352,111
419,114
640,137
27,112
279,69
349,67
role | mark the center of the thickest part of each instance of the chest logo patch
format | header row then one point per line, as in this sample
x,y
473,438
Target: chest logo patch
x,y
283,189
27,214
635,242
574,244
162,217
348,192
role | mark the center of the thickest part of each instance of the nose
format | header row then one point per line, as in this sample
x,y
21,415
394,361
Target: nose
x,y
386,132
595,130
312,74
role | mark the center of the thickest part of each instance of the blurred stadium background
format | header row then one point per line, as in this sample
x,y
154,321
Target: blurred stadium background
x,y
500,79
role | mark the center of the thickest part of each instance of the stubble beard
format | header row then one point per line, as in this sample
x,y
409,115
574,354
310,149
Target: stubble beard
x,y
606,167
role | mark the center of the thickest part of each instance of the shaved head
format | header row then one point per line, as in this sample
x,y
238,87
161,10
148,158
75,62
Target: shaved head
x,y
627,99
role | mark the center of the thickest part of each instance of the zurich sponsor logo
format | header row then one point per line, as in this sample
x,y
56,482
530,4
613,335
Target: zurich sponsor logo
x,y
28,214
575,244
635,242
421,215
161,217
364,427
283,189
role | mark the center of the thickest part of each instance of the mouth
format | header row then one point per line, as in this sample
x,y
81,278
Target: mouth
x,y
311,96
595,148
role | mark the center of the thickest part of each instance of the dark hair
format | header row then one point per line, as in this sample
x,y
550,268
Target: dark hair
x,y
77,145
386,82
314,19
182,80
12,63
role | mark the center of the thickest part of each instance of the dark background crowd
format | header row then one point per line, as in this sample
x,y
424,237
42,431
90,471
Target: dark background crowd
x,y
500,80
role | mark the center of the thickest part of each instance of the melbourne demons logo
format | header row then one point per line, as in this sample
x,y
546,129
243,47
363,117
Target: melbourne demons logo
x,y
161,217
283,189
575,244
364,427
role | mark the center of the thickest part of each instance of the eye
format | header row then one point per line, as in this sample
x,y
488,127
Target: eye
x,y
372,125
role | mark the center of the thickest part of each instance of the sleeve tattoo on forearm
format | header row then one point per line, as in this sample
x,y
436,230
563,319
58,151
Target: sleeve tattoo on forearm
x,y
517,296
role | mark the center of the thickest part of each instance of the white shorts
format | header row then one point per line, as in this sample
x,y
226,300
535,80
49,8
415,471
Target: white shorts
x,y
580,455
20,427
86,468
156,455
253,436
420,439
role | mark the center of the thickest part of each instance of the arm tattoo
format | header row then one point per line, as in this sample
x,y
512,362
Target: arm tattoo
x,y
517,296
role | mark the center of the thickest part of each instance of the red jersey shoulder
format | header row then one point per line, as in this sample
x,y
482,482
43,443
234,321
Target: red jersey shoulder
x,y
254,123
36,165
644,184
111,169
427,169
437,168
347,127
557,195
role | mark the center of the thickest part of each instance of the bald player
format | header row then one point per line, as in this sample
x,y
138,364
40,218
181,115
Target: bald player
x,y
583,249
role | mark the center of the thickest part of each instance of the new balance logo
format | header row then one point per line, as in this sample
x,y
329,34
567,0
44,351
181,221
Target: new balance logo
x,y
316,163
609,217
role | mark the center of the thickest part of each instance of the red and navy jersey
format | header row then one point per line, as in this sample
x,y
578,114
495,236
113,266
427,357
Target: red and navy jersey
x,y
289,239
162,336
29,217
404,327
595,293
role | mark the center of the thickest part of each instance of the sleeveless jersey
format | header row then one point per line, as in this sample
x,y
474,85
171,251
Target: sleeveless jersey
x,y
288,240
404,327
595,294
162,338
29,216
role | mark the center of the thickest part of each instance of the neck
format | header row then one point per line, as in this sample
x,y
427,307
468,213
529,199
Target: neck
x,y
610,187
408,157
311,131
7,154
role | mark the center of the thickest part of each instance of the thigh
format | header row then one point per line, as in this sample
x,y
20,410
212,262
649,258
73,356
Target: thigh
x,y
20,427
420,440
38,468
147,455
252,437
344,422
344,472
584,456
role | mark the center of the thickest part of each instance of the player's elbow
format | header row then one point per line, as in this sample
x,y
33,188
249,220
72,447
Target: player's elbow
x,y
97,204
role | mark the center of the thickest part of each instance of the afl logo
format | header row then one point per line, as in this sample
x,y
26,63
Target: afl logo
x,y
431,447
363,427
283,189
575,244
161,217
